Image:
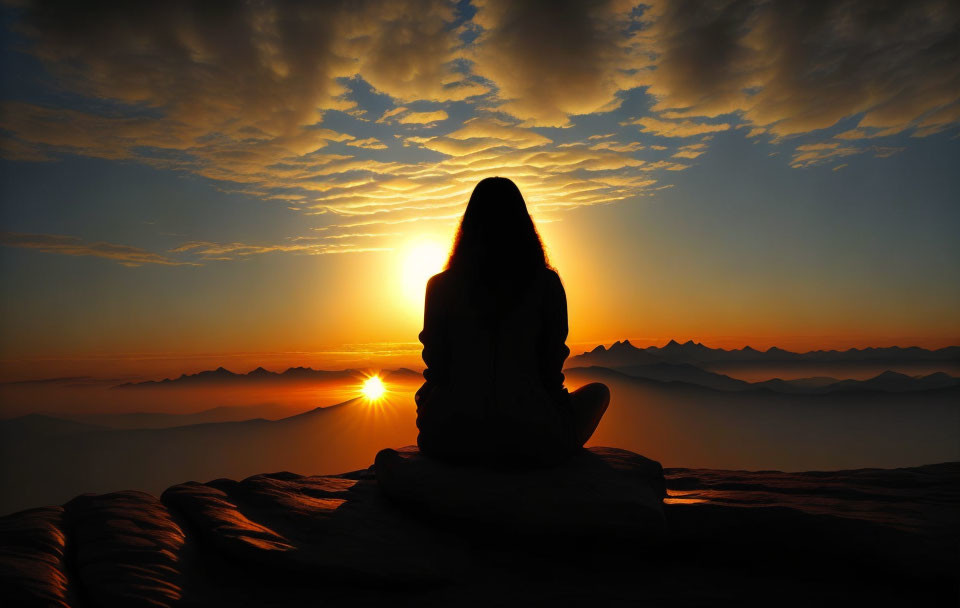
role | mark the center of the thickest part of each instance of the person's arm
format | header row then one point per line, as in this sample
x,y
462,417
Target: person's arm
x,y
554,347
432,338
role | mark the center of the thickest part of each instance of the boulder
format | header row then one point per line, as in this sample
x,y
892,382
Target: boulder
x,y
600,493
321,528
866,537
33,571
127,550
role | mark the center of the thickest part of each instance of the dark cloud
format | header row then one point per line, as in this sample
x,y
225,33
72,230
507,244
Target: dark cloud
x,y
554,58
268,67
793,67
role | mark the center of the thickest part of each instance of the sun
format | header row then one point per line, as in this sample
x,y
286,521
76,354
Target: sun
x,y
373,388
422,259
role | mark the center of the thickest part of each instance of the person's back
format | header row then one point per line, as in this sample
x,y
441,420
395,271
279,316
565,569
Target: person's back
x,y
494,383
495,323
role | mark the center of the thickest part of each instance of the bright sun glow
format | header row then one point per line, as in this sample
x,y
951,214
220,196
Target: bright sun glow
x,y
373,388
422,260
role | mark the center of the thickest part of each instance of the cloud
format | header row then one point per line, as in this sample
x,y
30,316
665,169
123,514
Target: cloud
x,y
491,128
885,151
370,143
690,151
423,118
797,67
865,133
937,121
479,134
391,113
212,251
270,65
13,149
554,58
238,93
617,146
666,165
546,175
71,245
406,49
808,155
230,87
786,68
677,128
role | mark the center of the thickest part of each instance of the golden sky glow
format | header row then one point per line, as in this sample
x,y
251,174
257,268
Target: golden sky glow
x,y
422,258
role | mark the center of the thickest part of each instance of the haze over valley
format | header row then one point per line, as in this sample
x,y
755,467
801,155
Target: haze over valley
x,y
62,436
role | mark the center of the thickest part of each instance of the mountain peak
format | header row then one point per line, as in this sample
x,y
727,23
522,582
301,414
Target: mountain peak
x,y
892,375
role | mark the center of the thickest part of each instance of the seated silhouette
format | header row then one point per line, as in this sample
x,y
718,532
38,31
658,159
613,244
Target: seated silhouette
x,y
494,332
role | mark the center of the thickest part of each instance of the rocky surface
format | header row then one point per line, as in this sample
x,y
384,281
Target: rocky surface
x,y
601,493
410,531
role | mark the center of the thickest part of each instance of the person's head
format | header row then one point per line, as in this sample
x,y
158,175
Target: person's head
x,y
497,237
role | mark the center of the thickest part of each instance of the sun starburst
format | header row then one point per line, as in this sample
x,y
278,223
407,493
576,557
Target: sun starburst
x,y
373,388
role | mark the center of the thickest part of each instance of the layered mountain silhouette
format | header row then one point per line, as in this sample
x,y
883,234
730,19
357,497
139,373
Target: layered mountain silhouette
x,y
674,362
223,376
623,353
686,373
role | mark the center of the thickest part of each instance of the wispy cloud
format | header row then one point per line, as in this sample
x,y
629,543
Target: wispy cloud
x,y
678,128
690,151
422,118
808,155
370,143
207,250
71,245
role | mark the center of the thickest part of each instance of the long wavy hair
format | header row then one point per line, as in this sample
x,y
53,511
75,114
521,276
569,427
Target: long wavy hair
x,y
497,244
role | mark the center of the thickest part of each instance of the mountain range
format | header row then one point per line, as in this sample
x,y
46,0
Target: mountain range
x,y
684,373
675,362
222,375
623,353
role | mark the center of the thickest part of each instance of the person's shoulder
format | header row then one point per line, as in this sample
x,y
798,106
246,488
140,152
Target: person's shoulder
x,y
552,277
438,280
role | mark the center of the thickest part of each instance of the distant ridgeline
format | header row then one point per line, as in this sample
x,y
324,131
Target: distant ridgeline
x,y
695,364
688,363
624,353
260,375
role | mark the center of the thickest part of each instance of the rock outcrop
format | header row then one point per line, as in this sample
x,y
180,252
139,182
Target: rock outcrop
x,y
412,531
602,493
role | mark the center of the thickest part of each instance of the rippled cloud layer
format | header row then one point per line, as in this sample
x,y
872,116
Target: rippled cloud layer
x,y
367,114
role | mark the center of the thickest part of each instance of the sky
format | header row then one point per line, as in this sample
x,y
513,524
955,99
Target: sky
x,y
190,184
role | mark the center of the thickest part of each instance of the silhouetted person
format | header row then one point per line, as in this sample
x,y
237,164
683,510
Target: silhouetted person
x,y
494,328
